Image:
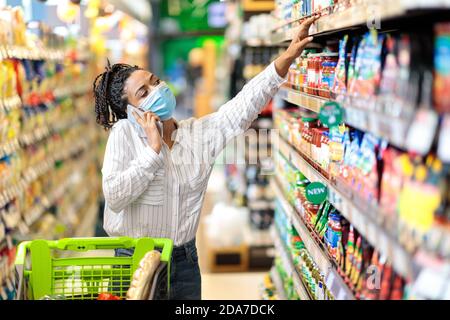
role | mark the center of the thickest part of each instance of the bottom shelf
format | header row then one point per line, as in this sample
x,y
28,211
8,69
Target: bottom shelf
x,y
279,288
288,263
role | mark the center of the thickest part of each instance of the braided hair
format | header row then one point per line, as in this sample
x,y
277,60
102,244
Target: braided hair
x,y
110,100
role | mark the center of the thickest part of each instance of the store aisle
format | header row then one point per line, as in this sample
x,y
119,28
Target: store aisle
x,y
223,286
232,286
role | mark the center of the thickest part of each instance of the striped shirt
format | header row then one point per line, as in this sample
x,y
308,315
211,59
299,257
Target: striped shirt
x,y
161,195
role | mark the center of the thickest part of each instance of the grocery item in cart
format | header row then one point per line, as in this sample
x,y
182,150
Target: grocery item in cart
x,y
143,276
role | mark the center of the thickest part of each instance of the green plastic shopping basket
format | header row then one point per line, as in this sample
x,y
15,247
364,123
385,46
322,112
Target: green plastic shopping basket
x,y
43,270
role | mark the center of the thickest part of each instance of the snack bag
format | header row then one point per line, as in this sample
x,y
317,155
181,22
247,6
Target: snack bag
x,y
340,75
368,66
442,68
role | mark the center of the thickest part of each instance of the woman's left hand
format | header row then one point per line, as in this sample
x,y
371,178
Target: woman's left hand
x,y
295,49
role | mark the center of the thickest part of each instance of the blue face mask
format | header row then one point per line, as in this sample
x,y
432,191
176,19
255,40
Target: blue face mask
x,y
160,101
132,119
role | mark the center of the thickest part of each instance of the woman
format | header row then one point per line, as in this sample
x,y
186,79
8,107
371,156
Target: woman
x,y
154,178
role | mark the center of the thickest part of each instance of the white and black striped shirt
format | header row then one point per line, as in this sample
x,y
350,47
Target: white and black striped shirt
x,y
161,195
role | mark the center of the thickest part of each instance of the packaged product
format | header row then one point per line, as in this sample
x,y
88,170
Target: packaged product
x,y
351,71
391,181
334,233
366,79
367,165
327,75
442,68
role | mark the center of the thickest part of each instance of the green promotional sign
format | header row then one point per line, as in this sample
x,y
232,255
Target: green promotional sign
x,y
331,114
316,192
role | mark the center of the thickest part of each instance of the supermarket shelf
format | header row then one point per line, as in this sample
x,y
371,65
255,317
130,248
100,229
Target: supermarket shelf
x,y
10,103
360,15
53,196
38,134
289,265
333,280
20,52
275,276
365,218
301,99
392,129
87,225
15,102
33,173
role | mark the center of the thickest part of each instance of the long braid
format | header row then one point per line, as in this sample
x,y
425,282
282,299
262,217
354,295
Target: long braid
x,y
110,101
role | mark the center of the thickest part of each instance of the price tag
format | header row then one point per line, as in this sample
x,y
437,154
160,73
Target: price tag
x,y
330,280
321,259
384,244
371,232
421,134
444,140
401,261
341,295
374,120
345,209
360,220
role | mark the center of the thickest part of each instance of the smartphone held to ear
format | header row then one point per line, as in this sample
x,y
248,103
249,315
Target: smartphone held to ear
x,y
141,113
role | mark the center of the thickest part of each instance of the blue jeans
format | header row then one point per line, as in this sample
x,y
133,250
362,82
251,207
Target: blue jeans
x,y
185,278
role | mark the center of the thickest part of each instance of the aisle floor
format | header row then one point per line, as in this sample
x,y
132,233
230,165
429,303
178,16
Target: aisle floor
x,y
223,286
232,286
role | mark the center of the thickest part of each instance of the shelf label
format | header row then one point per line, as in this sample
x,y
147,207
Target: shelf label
x,y
444,140
330,280
331,114
341,295
316,192
422,131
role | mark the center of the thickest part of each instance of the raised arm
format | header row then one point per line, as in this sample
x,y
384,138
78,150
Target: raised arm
x,y
236,116
125,179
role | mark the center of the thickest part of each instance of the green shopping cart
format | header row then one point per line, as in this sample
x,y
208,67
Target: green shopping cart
x,y
45,268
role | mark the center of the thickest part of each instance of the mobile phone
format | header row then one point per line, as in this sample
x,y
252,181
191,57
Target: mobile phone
x,y
158,123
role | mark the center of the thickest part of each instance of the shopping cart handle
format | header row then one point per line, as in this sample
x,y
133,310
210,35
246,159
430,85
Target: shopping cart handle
x,y
167,247
21,253
86,244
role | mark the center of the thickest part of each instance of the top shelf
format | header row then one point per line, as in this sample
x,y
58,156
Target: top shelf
x,y
370,14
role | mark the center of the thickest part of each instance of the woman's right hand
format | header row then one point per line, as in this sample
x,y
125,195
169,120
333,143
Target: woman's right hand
x,y
148,123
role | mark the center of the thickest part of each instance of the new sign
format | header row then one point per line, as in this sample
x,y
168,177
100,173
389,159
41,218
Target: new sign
x,y
316,192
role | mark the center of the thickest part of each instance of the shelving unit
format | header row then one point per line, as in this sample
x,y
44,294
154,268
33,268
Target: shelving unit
x,y
392,129
333,280
48,139
275,276
365,219
20,52
365,14
289,265
366,172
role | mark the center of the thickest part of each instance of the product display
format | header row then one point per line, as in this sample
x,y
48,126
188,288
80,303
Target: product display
x,y
369,112
338,190
351,253
48,157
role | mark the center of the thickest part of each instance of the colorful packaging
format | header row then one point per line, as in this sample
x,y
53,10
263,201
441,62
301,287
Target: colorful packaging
x,y
442,68
340,79
367,75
